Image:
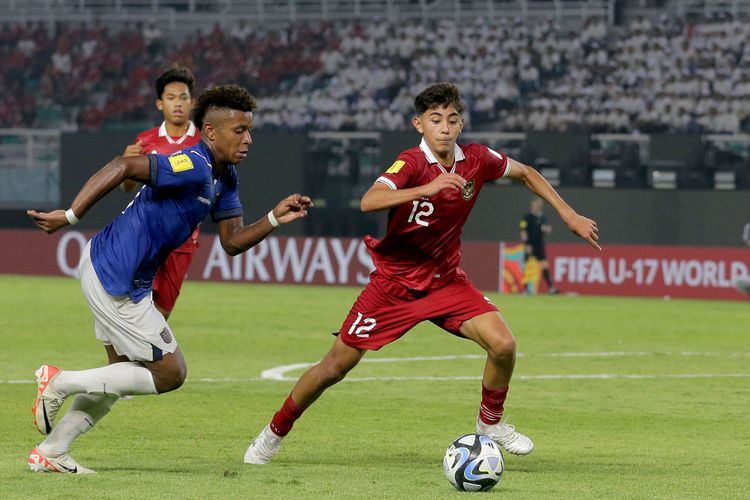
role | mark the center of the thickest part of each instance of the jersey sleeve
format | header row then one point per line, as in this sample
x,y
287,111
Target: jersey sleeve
x,y
524,224
227,204
174,171
398,175
497,164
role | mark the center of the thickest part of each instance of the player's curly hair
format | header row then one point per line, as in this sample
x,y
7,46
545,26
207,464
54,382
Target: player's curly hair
x,y
176,73
439,95
225,97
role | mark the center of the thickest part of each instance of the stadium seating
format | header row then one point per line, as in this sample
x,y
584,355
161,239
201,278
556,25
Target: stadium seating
x,y
659,75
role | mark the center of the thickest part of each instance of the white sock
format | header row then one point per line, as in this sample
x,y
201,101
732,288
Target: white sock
x,y
84,413
119,379
485,428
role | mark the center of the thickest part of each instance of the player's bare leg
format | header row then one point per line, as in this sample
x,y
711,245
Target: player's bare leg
x,y
169,373
331,369
490,331
113,357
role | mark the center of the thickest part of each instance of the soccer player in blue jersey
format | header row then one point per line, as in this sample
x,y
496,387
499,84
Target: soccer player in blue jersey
x,y
119,263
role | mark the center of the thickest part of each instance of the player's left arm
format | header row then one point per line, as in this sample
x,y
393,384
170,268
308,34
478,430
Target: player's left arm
x,y
581,226
236,237
105,180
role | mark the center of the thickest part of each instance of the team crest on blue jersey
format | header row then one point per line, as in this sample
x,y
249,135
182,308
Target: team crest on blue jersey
x,y
468,190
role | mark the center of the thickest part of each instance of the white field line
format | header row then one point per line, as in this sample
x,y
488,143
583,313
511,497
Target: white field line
x,y
278,373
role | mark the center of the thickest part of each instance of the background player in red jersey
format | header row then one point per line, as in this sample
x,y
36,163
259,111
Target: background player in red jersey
x,y
174,98
429,192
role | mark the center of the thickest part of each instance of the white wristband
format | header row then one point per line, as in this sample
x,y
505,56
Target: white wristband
x,y
71,216
272,219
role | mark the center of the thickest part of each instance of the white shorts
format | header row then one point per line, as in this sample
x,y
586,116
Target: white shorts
x,y
136,330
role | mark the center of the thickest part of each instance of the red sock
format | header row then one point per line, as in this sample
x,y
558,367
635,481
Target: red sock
x,y
491,409
284,419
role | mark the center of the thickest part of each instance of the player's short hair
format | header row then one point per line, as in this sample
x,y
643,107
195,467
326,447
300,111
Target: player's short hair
x,y
174,74
222,97
439,95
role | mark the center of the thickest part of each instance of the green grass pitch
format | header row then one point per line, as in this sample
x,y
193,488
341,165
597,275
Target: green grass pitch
x,y
624,398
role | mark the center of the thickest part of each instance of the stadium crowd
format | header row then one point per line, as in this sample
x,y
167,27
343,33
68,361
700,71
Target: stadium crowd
x,y
658,75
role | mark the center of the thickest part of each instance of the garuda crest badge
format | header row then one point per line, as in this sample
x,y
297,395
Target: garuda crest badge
x,y
468,191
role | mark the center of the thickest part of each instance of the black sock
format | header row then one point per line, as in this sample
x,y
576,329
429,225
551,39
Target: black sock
x,y
545,273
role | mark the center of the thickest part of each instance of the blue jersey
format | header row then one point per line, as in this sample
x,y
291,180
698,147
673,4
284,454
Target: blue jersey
x,y
184,187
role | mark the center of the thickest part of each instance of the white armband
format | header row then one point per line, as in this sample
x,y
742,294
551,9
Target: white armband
x,y
71,216
272,219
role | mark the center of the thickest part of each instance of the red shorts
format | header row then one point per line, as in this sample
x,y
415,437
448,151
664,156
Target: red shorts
x,y
169,277
386,310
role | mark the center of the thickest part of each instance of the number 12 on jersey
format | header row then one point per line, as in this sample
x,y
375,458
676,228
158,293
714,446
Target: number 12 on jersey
x,y
425,208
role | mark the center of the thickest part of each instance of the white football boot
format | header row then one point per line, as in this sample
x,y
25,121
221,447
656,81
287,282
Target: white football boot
x,y
507,437
48,401
264,447
64,464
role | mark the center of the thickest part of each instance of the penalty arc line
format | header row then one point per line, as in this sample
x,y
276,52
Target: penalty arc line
x,y
279,372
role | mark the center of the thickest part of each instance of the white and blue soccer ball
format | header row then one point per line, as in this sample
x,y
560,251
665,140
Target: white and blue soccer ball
x,y
473,463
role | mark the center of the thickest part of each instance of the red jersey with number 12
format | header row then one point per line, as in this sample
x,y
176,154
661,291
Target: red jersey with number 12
x,y
157,141
421,248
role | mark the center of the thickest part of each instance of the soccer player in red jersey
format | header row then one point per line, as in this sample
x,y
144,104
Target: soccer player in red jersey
x,y
429,192
174,98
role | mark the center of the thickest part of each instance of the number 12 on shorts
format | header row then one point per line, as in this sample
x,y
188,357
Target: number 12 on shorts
x,y
361,330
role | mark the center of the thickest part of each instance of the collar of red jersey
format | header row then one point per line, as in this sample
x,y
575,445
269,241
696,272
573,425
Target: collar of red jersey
x,y
190,133
432,159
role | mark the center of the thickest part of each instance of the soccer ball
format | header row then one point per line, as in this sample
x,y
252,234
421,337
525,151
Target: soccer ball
x,y
473,463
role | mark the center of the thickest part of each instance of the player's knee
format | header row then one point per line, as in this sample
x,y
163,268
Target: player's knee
x,y
171,379
501,346
332,373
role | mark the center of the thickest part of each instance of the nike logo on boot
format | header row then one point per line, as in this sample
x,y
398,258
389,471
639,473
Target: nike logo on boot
x,y
47,426
74,470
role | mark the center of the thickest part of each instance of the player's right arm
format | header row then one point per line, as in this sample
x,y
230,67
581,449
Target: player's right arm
x,y
136,168
134,149
381,196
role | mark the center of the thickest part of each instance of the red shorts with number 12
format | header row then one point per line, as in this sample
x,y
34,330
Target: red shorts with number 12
x,y
386,310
